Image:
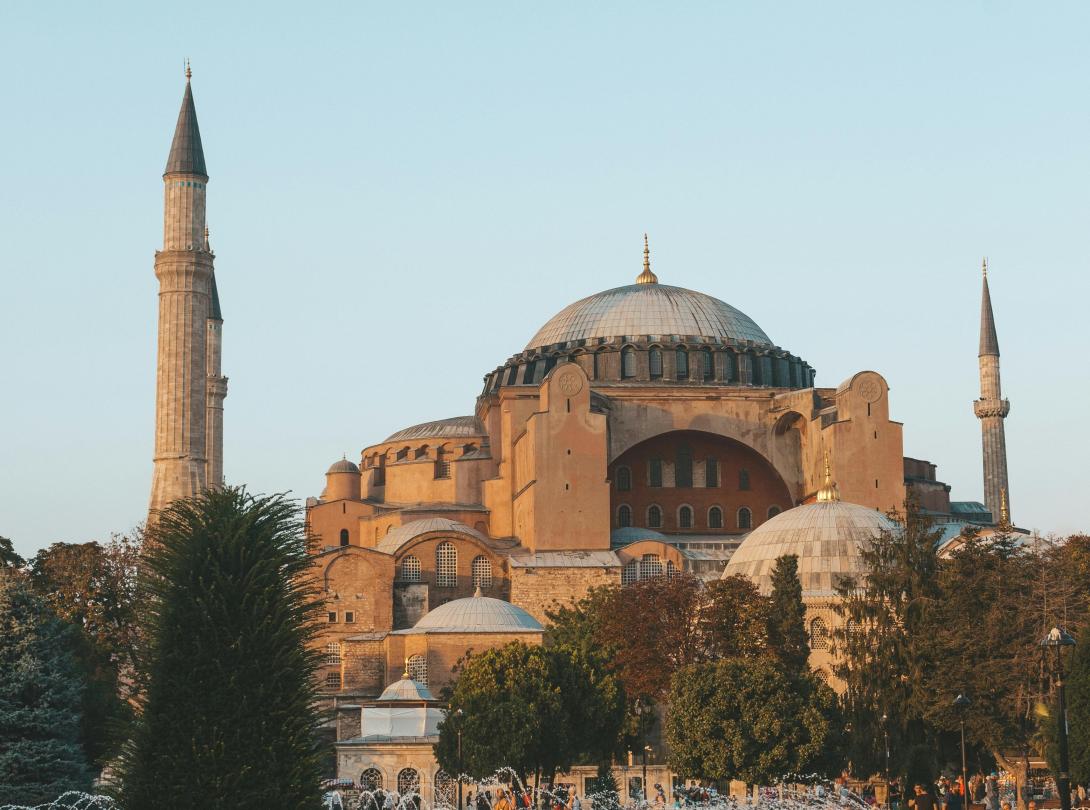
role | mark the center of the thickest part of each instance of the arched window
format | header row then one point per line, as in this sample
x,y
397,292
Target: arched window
x,y
410,569
685,517
344,537
654,472
711,472
417,667
599,365
650,566
371,780
682,362
630,573
624,516
333,680
528,375
743,479
408,782
654,517
482,572
745,518
773,511
445,791
715,518
819,635
333,653
446,565
628,362
707,364
654,363
671,570
683,469
624,479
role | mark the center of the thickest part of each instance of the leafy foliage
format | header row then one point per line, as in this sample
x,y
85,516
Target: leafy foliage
x,y
40,692
229,718
8,557
787,638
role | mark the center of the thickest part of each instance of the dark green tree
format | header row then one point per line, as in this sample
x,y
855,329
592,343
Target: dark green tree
x,y
787,639
229,720
8,557
521,707
40,700
750,719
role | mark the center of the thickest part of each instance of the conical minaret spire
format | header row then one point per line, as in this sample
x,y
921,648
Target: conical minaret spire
x,y
991,409
189,387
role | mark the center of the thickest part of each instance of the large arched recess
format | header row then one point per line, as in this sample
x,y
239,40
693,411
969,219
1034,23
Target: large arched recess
x,y
744,480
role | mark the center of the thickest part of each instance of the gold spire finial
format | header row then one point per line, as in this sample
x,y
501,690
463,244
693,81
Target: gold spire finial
x,y
1004,516
646,277
828,491
984,266
188,70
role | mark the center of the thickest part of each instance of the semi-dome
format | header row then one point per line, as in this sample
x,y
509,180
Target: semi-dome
x,y
827,537
476,614
343,466
649,309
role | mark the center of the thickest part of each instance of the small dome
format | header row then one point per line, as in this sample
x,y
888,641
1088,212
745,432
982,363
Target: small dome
x,y
396,538
457,427
633,534
343,466
477,614
826,536
638,310
406,689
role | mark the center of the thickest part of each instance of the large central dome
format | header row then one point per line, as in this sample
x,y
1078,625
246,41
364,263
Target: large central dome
x,y
648,309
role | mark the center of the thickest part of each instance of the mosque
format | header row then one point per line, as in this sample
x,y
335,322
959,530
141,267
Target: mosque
x,y
642,431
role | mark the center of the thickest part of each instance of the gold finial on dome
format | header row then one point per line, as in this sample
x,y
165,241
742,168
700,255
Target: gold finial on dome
x,y
828,491
646,277
477,593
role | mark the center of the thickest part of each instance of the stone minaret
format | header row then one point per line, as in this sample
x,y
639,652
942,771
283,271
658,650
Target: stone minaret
x,y
991,409
217,386
184,270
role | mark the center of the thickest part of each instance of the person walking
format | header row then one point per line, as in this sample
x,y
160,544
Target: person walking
x,y
991,791
921,799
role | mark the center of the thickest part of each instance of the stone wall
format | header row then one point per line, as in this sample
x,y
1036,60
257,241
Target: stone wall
x,y
536,590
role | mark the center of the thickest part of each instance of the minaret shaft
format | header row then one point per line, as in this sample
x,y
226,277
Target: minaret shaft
x,y
991,409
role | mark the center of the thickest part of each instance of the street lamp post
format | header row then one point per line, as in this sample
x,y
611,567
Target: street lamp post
x,y
962,703
646,751
1055,640
460,714
885,737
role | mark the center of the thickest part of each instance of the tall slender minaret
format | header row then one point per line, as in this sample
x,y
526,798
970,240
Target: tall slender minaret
x,y
991,409
184,270
217,386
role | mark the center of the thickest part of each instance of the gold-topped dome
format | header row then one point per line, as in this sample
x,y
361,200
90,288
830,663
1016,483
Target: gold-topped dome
x,y
646,277
829,491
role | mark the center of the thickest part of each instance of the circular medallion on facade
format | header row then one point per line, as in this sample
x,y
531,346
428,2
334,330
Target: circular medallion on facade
x,y
869,387
570,383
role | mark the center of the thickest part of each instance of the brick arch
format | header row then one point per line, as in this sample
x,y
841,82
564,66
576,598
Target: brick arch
x,y
468,549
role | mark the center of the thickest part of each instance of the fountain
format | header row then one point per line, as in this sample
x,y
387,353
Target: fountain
x,y
71,800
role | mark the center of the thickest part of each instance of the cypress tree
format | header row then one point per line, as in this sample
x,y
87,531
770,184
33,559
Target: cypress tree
x,y
787,616
40,694
229,719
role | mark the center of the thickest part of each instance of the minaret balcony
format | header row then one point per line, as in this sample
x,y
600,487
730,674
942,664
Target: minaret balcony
x,y
984,408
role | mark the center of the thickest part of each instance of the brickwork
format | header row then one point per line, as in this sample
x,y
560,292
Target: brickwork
x,y
537,590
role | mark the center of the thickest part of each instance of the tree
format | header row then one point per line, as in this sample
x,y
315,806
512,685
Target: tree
x,y
8,557
733,618
229,720
787,638
40,690
750,719
883,650
522,707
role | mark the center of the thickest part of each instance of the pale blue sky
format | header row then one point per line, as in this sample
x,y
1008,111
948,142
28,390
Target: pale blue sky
x,y
402,193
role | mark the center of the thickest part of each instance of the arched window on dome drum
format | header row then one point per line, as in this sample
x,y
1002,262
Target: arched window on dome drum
x,y
482,572
654,363
417,669
730,367
371,780
599,365
745,518
624,516
743,479
852,628
654,517
445,790
819,635
408,782
773,511
446,565
683,469
711,473
682,363
708,364
715,518
333,653
550,363
628,362
344,537
654,472
630,573
528,375
650,566
671,570
410,569
685,517
624,479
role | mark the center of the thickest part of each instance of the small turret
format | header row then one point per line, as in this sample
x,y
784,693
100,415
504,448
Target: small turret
x,y
342,482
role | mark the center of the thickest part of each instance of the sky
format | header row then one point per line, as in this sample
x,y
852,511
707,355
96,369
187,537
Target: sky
x,y
402,193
